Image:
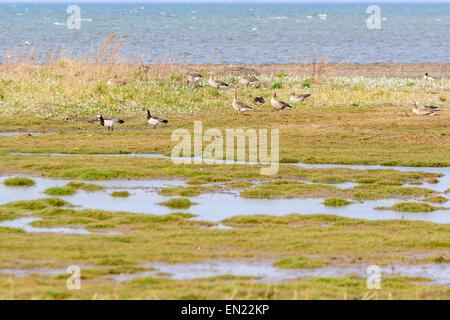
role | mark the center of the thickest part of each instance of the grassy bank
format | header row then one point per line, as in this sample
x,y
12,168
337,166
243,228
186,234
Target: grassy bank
x,y
347,120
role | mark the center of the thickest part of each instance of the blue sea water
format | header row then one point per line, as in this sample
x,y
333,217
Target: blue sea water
x,y
237,33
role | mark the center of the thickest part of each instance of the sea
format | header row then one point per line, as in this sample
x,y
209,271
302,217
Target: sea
x,y
233,33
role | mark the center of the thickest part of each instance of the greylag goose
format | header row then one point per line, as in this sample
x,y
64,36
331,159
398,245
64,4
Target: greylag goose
x,y
109,123
115,82
297,98
247,80
193,77
427,77
154,121
216,83
425,110
238,105
278,105
259,100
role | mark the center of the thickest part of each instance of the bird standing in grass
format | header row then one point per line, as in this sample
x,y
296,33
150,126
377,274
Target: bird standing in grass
x,y
246,81
116,82
424,110
154,121
109,123
427,77
259,100
238,105
216,83
297,98
278,105
193,78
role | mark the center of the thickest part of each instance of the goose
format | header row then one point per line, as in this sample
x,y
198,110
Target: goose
x,y
247,80
424,110
427,77
109,123
278,105
216,83
297,98
259,100
238,105
193,77
154,121
115,82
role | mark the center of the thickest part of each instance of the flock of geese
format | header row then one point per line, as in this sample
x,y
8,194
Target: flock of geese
x,y
194,77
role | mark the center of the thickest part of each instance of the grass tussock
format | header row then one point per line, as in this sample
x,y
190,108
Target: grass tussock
x,y
85,186
19,182
120,194
436,199
177,203
60,191
335,202
412,207
299,263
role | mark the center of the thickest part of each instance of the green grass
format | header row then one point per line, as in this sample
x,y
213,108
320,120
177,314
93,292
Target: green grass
x,y
177,203
412,207
190,191
122,194
299,263
436,199
289,160
19,182
60,191
334,202
294,241
85,186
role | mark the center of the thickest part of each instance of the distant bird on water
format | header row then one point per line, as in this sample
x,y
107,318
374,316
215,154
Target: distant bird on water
x,y
109,123
154,121
193,78
297,98
425,110
216,83
278,105
238,105
427,77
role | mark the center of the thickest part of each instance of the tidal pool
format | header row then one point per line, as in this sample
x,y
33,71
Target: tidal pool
x,y
24,224
264,271
214,207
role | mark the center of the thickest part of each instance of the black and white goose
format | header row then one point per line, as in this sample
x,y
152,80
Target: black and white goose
x,y
109,123
427,77
154,121
259,100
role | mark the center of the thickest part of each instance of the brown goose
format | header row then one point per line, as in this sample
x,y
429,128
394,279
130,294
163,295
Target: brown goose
x,y
216,83
238,105
193,78
245,81
425,110
115,82
278,105
297,98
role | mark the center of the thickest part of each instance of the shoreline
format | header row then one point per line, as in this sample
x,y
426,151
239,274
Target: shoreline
x,y
376,69
322,68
